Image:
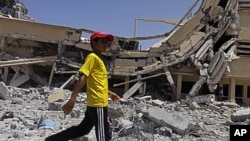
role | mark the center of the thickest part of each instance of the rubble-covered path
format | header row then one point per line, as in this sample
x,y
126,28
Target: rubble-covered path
x,y
32,114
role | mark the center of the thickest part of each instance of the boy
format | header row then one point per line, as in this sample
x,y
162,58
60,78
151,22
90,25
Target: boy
x,y
94,72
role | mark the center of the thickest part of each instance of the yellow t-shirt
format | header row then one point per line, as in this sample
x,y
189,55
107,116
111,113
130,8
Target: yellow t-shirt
x,y
97,81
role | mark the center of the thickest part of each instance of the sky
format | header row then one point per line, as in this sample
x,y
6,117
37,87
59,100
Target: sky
x,y
111,16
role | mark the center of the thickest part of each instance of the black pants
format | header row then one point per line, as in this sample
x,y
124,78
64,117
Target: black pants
x,y
94,116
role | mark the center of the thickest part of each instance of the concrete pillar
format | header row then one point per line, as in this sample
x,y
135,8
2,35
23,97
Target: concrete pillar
x,y
231,91
179,85
126,87
52,74
244,93
5,75
3,44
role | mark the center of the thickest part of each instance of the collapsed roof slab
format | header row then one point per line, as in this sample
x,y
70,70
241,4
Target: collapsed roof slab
x,y
38,32
4,92
160,116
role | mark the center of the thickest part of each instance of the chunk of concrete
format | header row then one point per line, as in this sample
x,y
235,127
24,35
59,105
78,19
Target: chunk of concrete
x,y
157,102
4,92
214,107
163,118
55,106
226,103
201,99
115,111
241,115
125,124
55,95
194,106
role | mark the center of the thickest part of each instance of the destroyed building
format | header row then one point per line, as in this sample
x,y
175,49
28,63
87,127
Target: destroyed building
x,y
208,51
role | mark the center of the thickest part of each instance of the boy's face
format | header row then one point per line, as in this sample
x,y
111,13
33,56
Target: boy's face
x,y
101,45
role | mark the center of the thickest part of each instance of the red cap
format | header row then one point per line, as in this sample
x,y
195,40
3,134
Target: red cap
x,y
94,35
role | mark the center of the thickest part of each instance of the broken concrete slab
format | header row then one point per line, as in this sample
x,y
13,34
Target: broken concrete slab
x,y
241,115
208,98
4,92
176,122
115,111
226,103
194,106
214,107
55,95
55,106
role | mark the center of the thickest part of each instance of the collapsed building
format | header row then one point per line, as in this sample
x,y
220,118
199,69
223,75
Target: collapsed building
x,y
190,63
208,51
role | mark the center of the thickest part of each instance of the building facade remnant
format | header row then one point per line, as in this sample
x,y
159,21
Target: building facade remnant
x,y
208,51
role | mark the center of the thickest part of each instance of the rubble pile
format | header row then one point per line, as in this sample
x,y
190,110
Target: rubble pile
x,y
32,114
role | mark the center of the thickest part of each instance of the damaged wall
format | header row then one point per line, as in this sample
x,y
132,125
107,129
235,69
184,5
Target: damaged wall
x,y
205,47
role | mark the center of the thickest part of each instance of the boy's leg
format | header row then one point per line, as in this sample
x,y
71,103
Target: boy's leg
x,y
75,131
102,125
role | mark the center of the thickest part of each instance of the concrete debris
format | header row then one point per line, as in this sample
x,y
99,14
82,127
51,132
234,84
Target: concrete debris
x,y
226,103
4,91
57,94
194,106
201,99
241,115
134,118
214,107
163,118
197,56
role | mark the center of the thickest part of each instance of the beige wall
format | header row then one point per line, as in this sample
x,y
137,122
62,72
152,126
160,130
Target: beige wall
x,y
240,73
244,24
240,68
244,82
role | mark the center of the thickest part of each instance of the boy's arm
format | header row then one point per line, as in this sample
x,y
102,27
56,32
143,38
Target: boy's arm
x,y
78,86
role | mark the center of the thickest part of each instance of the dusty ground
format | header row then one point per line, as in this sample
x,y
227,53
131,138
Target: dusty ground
x,y
23,119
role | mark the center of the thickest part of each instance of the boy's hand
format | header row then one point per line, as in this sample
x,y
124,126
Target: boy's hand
x,y
115,98
67,107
